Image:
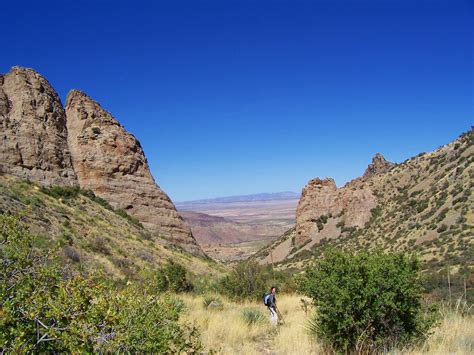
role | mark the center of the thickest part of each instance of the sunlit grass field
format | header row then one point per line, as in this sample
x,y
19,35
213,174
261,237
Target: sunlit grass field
x,y
224,330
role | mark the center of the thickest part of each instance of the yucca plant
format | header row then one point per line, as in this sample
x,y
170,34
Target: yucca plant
x,y
212,302
252,316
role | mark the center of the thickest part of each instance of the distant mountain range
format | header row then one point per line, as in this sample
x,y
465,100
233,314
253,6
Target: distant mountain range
x,y
266,196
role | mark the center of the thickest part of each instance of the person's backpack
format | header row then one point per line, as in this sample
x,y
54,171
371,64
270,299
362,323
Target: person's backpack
x,y
266,299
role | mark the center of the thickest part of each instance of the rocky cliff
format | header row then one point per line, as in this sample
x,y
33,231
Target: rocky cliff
x,y
110,161
33,129
321,199
83,145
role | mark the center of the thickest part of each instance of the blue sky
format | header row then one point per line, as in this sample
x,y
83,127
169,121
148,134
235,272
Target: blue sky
x,y
236,97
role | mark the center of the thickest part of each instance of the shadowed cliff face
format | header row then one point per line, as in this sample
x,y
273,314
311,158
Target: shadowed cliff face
x,y
110,161
33,130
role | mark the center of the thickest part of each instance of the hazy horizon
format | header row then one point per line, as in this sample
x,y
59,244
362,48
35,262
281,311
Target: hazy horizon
x,y
237,98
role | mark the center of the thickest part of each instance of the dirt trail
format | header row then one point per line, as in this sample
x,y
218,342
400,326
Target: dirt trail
x,y
265,344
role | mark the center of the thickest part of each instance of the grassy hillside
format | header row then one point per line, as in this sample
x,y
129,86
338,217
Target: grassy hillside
x,y
89,234
425,205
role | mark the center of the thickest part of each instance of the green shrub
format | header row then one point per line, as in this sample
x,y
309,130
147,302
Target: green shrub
x,y
247,281
173,277
252,316
66,192
43,312
365,302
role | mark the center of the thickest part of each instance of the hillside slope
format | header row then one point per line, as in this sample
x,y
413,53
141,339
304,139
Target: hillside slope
x,y
424,205
89,233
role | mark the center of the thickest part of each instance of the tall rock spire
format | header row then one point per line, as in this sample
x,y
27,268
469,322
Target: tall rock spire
x,y
110,161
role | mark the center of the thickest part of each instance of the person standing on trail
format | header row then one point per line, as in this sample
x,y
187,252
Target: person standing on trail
x,y
270,302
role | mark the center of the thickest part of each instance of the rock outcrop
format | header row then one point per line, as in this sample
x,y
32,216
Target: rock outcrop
x,y
379,165
351,204
33,130
110,161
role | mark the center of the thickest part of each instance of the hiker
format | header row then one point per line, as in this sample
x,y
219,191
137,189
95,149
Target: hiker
x,y
270,302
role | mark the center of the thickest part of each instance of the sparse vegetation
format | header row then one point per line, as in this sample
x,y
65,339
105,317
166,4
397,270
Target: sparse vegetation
x,y
71,192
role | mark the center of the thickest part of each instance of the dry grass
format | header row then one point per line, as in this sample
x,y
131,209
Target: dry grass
x,y
453,335
225,331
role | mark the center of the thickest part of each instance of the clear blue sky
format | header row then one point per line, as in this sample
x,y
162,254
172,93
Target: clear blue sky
x,y
235,97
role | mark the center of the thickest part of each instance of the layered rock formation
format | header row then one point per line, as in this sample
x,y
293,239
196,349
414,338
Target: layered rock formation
x,y
33,129
110,161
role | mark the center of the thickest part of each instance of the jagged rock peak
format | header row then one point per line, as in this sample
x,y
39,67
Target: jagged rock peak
x,y
111,162
378,165
33,129
318,182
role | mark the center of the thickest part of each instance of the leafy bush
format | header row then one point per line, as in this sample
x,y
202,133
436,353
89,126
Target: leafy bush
x,y
43,312
173,277
365,302
252,316
247,281
66,192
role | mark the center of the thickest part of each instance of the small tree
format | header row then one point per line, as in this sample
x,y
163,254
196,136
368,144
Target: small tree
x,y
365,302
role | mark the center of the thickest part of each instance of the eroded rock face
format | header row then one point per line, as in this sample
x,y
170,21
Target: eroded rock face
x,y
33,130
351,204
110,161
